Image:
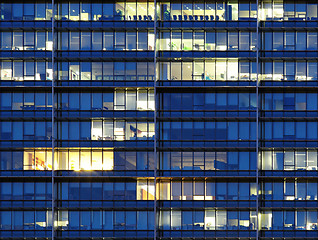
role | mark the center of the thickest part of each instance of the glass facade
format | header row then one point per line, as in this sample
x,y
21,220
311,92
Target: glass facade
x,y
148,119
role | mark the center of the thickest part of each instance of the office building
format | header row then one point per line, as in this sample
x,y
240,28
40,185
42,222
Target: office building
x,y
158,119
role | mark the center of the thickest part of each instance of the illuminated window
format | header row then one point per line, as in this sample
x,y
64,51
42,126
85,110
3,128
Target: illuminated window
x,y
69,159
145,190
37,160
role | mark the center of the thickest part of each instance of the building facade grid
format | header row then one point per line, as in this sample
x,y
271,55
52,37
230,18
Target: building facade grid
x,y
158,119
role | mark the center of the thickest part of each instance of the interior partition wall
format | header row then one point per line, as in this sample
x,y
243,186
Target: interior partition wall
x,y
158,120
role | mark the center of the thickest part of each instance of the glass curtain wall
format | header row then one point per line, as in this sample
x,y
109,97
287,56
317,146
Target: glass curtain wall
x,y
155,122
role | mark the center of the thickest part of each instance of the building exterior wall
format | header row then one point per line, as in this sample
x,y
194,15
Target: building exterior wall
x,y
158,120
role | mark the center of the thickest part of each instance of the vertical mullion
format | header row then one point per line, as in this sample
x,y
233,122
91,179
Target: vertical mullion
x,y
155,120
52,117
257,119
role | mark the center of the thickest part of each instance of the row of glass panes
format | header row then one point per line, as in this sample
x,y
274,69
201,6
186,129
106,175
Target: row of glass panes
x,y
26,70
207,220
289,101
289,130
76,159
275,130
118,130
238,10
68,160
25,101
234,220
219,69
114,40
220,130
98,191
181,11
216,69
28,130
78,11
279,41
85,130
168,220
289,70
119,10
40,70
128,100
77,220
96,159
106,160
142,12
289,160
205,190
207,161
291,190
218,190
131,130
271,160
41,159
118,100
26,41
106,220
288,220
236,40
26,191
234,69
207,101
130,71
27,11
138,40
28,220
278,10
143,99
175,40
207,40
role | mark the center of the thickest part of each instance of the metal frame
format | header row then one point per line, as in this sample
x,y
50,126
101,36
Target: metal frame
x,y
155,122
53,120
257,120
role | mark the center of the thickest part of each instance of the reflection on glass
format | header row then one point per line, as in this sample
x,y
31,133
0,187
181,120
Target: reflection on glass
x,y
121,130
207,220
289,160
69,159
220,69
